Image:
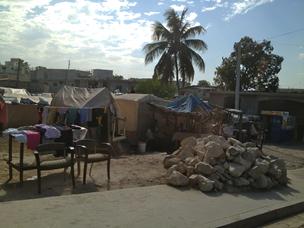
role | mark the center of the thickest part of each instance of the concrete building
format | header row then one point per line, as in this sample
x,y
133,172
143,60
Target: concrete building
x,y
14,73
51,80
199,91
255,102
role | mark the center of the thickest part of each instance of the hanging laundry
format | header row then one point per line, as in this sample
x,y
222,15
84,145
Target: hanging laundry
x,y
71,116
51,115
85,115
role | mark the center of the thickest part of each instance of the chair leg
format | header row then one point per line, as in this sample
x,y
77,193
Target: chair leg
x,y
39,180
90,172
85,172
21,176
73,176
78,168
108,168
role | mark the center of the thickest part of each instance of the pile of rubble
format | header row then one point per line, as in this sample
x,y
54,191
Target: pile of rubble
x,y
213,163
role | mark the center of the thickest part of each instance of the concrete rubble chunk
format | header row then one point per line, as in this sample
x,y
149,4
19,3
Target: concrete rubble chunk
x,y
234,142
185,152
204,168
249,144
189,141
177,179
236,170
212,163
261,167
205,184
239,160
213,150
170,160
241,182
261,182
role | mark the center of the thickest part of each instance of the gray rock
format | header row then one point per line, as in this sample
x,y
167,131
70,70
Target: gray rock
x,y
185,152
218,139
234,142
177,179
261,182
239,160
189,141
189,170
193,180
218,185
219,169
171,169
236,170
213,150
204,168
249,155
170,160
249,144
235,150
226,165
241,182
182,168
204,184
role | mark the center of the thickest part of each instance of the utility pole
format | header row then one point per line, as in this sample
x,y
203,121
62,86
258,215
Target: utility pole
x,y
67,73
18,73
237,85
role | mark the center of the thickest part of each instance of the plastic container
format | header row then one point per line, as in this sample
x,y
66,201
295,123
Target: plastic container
x,y
142,147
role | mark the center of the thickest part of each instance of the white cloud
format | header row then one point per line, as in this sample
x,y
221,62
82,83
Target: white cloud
x,y
301,56
205,9
215,5
178,8
191,16
91,34
243,7
151,13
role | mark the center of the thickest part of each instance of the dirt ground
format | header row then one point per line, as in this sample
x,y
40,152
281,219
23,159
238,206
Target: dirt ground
x,y
127,171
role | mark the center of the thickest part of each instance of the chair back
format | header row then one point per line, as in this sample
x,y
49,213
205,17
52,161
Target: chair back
x,y
52,148
89,144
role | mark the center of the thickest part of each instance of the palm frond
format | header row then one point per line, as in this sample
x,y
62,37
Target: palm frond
x,y
195,57
196,44
153,50
193,31
160,32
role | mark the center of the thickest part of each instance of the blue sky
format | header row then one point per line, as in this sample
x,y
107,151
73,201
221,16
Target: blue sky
x,y
110,34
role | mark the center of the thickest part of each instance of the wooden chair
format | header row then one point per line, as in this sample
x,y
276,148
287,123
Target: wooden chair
x,y
62,162
90,151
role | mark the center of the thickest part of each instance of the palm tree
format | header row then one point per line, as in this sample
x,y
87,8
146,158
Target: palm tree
x,y
174,43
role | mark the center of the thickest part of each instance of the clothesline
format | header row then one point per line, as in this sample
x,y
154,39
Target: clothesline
x,y
34,135
68,116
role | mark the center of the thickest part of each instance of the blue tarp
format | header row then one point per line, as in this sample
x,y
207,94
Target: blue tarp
x,y
188,103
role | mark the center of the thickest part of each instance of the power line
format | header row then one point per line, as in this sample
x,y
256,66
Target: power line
x,y
285,34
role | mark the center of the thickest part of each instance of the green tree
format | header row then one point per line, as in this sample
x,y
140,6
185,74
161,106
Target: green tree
x,y
204,83
258,70
155,87
118,77
175,44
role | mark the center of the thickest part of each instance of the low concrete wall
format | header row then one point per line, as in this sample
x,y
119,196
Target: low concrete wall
x,y
22,115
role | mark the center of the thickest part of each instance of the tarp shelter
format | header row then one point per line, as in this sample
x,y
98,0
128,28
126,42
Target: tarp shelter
x,y
22,96
188,104
77,97
138,114
97,98
21,106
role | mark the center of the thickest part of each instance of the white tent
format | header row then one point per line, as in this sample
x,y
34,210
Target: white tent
x,y
69,96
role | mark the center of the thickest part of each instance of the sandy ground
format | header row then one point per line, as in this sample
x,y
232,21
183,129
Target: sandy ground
x,y
126,172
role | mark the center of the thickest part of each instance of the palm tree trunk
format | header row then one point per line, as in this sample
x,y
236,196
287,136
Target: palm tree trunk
x,y
176,73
